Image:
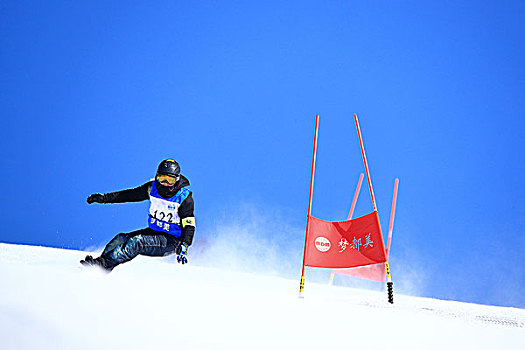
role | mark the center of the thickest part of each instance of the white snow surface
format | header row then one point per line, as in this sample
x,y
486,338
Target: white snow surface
x,y
47,301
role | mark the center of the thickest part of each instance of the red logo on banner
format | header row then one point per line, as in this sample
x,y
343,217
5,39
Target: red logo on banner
x,y
351,243
322,244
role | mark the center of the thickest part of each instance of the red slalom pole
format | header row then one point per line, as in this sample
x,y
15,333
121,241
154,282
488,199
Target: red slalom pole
x,y
366,163
356,194
390,284
392,214
301,285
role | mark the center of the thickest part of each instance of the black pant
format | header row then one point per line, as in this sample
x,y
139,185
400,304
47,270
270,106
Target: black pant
x,y
126,246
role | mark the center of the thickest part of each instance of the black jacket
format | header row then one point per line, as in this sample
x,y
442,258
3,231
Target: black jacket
x,y
141,193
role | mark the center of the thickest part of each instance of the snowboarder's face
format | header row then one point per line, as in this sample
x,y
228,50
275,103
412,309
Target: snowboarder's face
x,y
166,180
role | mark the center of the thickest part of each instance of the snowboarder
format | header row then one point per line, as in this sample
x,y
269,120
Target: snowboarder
x,y
171,220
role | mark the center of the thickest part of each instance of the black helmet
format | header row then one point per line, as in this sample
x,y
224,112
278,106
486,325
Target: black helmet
x,y
169,167
166,184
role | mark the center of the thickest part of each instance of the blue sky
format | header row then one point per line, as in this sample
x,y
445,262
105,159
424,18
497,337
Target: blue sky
x,y
94,95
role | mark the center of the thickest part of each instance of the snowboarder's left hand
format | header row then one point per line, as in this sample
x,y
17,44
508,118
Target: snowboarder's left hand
x,y
182,254
96,198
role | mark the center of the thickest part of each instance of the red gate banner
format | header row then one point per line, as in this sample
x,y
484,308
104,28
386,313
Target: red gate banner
x,y
344,244
370,272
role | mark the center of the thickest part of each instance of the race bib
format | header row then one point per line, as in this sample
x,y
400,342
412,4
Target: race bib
x,y
164,212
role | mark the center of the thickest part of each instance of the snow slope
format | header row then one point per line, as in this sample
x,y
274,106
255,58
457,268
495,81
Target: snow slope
x,y
48,302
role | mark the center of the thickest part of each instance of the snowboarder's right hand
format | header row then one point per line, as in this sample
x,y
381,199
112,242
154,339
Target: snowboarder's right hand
x,y
182,254
96,197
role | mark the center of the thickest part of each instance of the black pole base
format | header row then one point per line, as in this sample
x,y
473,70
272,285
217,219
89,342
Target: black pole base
x,y
390,287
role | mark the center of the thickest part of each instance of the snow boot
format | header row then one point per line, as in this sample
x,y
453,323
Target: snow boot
x,y
98,262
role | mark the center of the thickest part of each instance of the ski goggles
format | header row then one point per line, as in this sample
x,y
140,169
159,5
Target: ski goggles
x,y
170,180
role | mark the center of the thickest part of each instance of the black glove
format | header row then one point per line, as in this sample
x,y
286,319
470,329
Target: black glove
x,y
182,252
96,197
